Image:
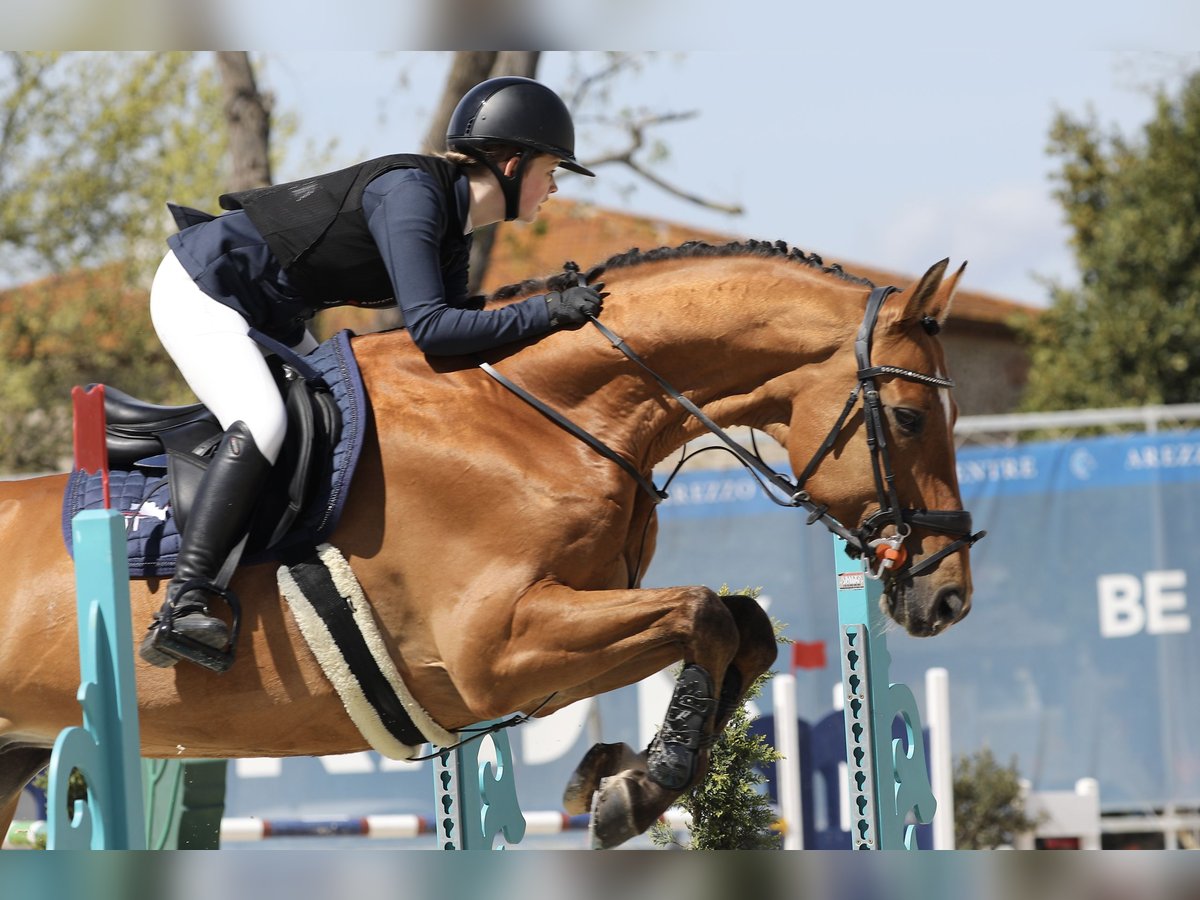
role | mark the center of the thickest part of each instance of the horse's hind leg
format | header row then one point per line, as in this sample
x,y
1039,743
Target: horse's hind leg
x,y
618,774
17,768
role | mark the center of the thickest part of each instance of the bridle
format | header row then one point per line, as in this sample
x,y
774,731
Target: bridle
x,y
888,553
884,555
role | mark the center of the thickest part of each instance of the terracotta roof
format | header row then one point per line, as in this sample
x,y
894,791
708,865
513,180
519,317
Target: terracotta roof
x,y
588,234
566,230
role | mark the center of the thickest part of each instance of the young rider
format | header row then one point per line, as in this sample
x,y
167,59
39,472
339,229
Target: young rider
x,y
394,231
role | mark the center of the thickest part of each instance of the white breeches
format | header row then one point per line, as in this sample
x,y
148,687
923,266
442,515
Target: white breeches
x,y
222,364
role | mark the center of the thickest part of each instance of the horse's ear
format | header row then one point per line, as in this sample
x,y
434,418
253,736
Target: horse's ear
x,y
928,298
939,308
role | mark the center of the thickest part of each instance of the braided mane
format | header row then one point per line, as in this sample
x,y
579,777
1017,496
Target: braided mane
x,y
688,250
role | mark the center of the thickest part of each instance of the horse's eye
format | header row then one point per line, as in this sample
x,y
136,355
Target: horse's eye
x,y
909,421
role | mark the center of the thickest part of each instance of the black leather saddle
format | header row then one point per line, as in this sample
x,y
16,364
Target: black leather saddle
x,y
182,439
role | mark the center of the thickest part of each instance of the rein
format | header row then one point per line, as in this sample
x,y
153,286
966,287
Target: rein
x,y
867,540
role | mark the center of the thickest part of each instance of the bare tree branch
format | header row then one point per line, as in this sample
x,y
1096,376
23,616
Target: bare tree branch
x,y
636,131
597,83
617,62
735,210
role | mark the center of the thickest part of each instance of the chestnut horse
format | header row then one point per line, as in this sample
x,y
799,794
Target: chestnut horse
x,y
502,555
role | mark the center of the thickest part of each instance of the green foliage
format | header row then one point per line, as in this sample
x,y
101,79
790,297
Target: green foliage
x,y
1127,335
91,146
989,810
77,790
728,809
59,333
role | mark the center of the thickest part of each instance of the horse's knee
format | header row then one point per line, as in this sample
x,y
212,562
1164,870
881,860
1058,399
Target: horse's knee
x,y
758,648
713,628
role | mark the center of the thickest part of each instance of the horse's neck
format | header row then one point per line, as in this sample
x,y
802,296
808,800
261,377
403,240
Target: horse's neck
x,y
722,336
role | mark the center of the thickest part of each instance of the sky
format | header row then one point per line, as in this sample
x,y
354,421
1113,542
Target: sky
x,y
894,160
891,134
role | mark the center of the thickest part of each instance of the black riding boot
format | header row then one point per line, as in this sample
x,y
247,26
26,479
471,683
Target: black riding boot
x,y
219,517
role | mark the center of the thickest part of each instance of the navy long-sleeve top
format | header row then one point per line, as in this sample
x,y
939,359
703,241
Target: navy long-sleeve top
x,y
407,214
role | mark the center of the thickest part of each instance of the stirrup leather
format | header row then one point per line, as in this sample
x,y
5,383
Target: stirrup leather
x,y
164,638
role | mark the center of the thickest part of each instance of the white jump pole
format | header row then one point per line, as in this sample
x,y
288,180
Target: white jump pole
x,y
787,771
941,764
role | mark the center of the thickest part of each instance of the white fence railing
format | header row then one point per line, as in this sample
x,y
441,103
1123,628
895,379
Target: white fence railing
x,y
1005,429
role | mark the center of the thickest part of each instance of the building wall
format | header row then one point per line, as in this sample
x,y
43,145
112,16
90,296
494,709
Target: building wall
x,y
990,368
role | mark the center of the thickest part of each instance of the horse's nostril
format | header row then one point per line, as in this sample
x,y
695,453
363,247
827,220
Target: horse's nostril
x,y
951,605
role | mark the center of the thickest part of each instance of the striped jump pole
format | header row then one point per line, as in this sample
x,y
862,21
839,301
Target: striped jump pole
x,y
888,783
377,827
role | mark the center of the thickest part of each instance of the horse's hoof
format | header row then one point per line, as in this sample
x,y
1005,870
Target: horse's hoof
x,y
612,814
599,762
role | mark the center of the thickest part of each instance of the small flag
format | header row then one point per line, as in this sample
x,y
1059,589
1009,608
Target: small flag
x,y
808,655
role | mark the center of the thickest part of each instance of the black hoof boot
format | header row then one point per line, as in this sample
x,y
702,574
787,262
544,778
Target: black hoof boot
x,y
672,755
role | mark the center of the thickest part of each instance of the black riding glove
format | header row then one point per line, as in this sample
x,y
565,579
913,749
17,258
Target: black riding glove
x,y
571,307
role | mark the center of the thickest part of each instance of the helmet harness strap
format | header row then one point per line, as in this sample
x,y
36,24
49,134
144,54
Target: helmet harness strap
x,y
510,187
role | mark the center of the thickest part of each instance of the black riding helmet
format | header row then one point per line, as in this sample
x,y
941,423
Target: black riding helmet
x,y
517,111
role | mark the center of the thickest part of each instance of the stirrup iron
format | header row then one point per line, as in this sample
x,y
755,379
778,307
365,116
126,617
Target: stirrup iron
x,y
164,638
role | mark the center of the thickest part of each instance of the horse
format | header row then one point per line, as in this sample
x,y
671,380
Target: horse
x,y
503,556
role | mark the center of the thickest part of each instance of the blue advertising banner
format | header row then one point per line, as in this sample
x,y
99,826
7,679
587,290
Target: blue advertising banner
x,y
1077,659
1078,656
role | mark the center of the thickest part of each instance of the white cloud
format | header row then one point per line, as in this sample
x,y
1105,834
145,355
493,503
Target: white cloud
x,y
1009,234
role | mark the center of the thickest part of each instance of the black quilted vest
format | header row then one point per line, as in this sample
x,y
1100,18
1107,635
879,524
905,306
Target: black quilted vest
x,y
316,229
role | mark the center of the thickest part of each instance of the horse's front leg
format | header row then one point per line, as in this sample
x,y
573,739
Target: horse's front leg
x,y
579,642
609,773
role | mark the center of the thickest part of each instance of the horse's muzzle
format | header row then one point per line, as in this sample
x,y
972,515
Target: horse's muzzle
x,y
904,602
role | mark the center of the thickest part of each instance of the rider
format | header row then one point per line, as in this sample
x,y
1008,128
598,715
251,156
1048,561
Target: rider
x,y
393,231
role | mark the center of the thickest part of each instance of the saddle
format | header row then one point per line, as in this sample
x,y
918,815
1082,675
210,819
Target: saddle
x,y
183,438
158,454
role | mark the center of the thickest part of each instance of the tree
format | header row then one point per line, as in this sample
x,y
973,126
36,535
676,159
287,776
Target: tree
x,y
468,68
1127,335
248,119
90,147
989,806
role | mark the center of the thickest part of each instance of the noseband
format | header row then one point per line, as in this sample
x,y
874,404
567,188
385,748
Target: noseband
x,y
884,555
